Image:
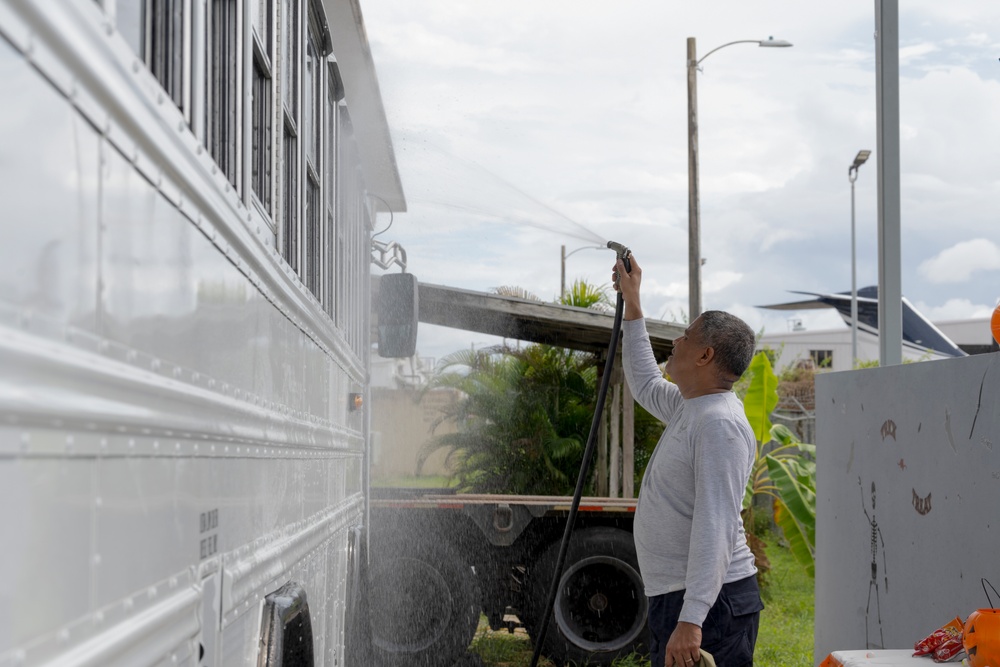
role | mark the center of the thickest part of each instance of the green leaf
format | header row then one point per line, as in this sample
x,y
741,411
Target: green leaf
x,y
783,434
796,484
761,397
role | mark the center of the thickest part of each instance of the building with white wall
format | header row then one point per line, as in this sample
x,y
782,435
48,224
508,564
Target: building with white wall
x,y
923,340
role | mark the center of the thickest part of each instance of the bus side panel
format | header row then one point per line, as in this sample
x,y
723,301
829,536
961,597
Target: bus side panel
x,y
49,169
168,416
47,511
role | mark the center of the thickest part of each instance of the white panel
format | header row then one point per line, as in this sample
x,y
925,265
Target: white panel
x,y
239,640
47,511
147,527
48,168
927,437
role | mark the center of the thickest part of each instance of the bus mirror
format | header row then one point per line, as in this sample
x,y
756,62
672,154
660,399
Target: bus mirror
x,y
398,312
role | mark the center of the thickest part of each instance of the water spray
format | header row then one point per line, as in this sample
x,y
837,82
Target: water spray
x,y
625,255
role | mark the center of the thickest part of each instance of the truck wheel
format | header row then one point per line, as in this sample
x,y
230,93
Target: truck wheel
x,y
600,608
425,603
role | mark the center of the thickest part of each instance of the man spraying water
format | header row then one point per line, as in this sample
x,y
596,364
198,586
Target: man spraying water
x,y
697,569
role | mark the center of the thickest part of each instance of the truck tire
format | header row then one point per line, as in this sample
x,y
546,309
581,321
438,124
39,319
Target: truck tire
x,y
600,608
424,605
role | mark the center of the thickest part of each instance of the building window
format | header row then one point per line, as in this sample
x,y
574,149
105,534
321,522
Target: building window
x,y
822,358
261,18
345,216
222,86
334,91
290,143
155,31
261,129
312,110
313,249
290,189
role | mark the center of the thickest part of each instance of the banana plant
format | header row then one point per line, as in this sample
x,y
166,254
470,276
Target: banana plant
x,y
793,479
784,469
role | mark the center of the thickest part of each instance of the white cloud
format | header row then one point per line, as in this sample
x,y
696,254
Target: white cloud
x,y
957,263
428,48
953,309
717,281
915,52
675,289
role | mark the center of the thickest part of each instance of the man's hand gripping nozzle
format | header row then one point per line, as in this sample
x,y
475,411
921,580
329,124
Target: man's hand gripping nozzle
x,y
625,255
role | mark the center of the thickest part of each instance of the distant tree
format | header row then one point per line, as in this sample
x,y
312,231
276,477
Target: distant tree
x,y
584,295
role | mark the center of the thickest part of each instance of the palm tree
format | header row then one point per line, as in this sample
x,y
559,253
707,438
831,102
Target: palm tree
x,y
584,295
522,419
525,413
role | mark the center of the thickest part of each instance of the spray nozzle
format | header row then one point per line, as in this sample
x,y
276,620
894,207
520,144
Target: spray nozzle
x,y
624,254
622,251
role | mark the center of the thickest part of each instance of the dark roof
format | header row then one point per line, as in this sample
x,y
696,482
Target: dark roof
x,y
917,329
534,321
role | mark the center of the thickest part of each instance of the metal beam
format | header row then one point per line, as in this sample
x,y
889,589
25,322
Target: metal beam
x,y
533,321
890,292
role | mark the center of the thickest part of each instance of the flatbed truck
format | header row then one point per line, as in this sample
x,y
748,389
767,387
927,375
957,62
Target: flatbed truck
x,y
440,560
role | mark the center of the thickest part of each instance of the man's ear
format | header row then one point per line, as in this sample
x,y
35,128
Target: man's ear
x,y
706,357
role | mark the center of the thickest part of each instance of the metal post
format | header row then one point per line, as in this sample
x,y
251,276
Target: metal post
x,y
890,293
853,175
628,442
601,471
694,209
615,471
694,205
562,274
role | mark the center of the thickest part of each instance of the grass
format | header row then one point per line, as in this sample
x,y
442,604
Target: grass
x,y
786,625
503,649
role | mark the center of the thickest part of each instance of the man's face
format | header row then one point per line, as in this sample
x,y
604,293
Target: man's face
x,y
687,350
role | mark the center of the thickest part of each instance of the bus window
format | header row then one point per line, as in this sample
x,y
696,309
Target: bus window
x,y
155,31
262,92
222,136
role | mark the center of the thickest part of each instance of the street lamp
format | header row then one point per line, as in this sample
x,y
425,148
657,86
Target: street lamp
x,y
694,209
562,272
852,174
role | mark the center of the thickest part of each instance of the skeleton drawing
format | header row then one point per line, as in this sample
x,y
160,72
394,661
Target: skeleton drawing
x,y
876,537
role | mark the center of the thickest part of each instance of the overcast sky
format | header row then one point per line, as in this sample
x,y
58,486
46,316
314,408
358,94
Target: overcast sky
x,y
523,125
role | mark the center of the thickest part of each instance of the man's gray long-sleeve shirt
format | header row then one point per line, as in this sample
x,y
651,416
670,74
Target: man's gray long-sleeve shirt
x,y
688,530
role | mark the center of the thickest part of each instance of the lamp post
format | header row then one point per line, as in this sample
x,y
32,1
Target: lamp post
x,y
562,272
852,174
694,208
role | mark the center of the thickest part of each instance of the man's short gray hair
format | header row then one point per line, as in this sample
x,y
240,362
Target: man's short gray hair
x,y
732,339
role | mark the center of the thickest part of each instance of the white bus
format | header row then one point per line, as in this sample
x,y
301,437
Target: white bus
x,y
188,193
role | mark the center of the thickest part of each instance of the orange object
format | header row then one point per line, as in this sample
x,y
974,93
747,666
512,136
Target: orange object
x,y
982,634
830,661
995,324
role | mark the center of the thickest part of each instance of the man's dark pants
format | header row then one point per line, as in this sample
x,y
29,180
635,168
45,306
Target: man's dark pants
x,y
729,632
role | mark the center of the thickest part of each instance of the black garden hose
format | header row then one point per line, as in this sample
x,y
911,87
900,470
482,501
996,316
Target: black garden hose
x,y
602,393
